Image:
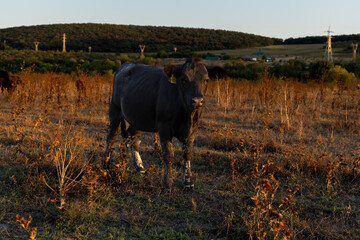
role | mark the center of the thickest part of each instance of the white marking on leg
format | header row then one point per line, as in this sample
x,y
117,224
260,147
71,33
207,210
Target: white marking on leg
x,y
187,175
137,159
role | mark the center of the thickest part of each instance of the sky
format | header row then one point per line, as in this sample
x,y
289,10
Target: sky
x,y
271,18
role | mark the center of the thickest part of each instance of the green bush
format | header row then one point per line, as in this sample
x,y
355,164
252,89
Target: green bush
x,y
319,71
341,76
55,61
294,69
162,54
238,69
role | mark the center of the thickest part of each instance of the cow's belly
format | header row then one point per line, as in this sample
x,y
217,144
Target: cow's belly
x,y
141,116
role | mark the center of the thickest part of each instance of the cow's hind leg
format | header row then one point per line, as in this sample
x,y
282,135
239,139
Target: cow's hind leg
x,y
116,119
135,146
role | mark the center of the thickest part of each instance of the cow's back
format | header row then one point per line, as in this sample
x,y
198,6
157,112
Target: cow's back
x,y
131,75
136,90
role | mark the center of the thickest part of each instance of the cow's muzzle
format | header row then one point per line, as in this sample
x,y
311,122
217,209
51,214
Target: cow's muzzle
x,y
197,102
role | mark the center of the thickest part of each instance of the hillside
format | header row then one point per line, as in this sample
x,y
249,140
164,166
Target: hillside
x,y
126,38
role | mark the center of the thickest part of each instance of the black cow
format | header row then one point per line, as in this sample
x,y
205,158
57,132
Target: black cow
x,y
152,99
8,82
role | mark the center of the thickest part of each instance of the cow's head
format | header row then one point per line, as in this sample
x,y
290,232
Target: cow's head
x,y
192,78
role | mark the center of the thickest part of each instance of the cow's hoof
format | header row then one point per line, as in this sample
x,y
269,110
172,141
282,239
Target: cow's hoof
x,y
140,170
188,186
168,185
166,190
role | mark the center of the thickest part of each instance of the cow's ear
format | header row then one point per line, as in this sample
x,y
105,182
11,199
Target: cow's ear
x,y
169,70
216,72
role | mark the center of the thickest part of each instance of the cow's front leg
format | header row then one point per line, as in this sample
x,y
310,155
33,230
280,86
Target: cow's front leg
x,y
187,153
168,155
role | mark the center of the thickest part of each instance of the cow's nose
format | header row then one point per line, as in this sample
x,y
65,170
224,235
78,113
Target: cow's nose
x,y
197,101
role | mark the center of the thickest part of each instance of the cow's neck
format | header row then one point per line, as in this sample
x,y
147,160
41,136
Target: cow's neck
x,y
188,120
189,123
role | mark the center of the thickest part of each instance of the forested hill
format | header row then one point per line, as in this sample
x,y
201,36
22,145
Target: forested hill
x,y
126,38
323,39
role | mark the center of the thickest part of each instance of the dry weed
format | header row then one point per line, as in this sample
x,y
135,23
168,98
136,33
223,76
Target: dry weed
x,y
26,225
264,217
68,156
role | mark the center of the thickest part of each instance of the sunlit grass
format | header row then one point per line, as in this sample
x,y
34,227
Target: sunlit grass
x,y
305,51
272,158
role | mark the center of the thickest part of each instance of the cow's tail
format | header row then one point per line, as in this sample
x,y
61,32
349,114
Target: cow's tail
x,y
123,128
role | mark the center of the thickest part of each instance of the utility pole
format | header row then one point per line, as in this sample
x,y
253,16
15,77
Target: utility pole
x,y
355,47
36,46
142,48
64,42
328,49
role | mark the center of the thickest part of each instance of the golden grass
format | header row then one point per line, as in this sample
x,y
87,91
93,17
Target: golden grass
x,y
292,51
273,159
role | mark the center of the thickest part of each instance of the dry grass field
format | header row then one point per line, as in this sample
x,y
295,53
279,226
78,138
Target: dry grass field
x,y
273,159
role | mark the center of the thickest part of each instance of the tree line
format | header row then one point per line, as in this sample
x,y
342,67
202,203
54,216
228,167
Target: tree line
x,y
126,38
323,39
